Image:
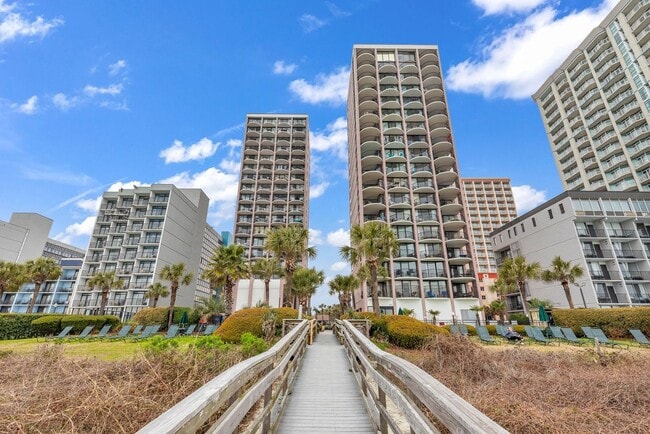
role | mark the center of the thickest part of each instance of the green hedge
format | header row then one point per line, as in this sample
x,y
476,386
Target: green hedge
x,y
408,332
614,322
250,321
471,330
158,316
18,325
518,328
47,325
80,322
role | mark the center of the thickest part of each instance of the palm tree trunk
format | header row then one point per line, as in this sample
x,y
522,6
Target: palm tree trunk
x,y
288,283
375,290
522,292
567,292
155,301
172,303
32,301
227,297
267,291
102,306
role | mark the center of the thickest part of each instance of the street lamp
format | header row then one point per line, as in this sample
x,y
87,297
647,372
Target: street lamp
x,y
582,295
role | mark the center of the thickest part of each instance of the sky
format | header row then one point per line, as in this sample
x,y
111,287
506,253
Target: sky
x,y
96,95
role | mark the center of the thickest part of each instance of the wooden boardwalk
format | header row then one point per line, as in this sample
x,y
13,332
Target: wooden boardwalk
x,y
325,397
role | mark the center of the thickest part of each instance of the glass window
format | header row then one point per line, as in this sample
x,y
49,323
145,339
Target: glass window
x,y
385,56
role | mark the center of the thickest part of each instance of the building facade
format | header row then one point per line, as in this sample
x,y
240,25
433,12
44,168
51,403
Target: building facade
x,y
24,236
605,233
137,232
403,171
273,191
490,204
596,105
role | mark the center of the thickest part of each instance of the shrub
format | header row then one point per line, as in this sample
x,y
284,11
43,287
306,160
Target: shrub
x,y
520,318
408,332
210,342
158,316
471,330
158,344
614,322
47,325
79,322
252,345
250,320
518,328
18,325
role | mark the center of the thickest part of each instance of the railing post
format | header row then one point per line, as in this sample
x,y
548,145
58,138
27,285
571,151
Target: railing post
x,y
383,423
268,393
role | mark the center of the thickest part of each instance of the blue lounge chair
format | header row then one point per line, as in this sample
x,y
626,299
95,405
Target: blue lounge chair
x,y
148,332
556,333
641,339
63,333
454,329
83,335
588,332
137,330
570,336
484,335
172,332
463,329
124,331
209,330
603,339
103,332
189,330
538,336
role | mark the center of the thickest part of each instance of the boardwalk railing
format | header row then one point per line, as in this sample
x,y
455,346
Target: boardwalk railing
x,y
382,375
221,404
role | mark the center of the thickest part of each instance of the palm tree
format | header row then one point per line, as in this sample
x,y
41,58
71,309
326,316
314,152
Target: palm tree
x,y
517,272
175,274
227,266
562,271
289,244
105,282
12,276
211,306
477,309
434,314
156,290
498,307
305,283
407,312
39,271
343,286
536,303
265,269
370,245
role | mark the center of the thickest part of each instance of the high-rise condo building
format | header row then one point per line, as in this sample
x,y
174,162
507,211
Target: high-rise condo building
x,y
490,205
403,171
138,231
596,105
273,191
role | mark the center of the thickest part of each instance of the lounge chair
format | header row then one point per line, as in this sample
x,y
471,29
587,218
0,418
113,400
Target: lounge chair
x,y
570,336
501,330
189,330
641,339
63,333
529,331
137,330
588,332
83,335
454,329
538,336
463,329
172,332
484,335
103,332
124,331
603,339
148,332
209,330
556,333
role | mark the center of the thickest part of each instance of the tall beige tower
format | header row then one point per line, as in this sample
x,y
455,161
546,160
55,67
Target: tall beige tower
x,y
273,190
403,171
596,105
490,205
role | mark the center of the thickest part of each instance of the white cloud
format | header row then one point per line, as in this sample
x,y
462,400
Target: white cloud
x,y
310,22
330,88
220,187
339,266
281,68
318,190
29,107
41,172
230,166
62,102
234,143
85,228
333,139
14,25
116,67
90,205
337,11
113,89
491,7
339,238
527,198
315,237
516,62
177,153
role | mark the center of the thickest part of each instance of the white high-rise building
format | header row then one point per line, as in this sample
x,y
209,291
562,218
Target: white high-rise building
x,y
596,105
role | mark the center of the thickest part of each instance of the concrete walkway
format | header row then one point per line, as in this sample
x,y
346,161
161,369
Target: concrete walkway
x,y
325,396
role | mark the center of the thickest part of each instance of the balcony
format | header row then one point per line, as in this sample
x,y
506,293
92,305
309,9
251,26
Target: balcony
x,y
636,275
621,233
629,254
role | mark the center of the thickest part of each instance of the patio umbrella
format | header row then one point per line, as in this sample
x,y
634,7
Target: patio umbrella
x,y
543,316
184,319
399,312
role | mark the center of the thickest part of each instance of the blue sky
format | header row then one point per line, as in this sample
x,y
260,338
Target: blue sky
x,y
99,94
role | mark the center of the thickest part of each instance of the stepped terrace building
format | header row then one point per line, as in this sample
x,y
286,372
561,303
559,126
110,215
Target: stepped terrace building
x,y
403,171
273,191
596,105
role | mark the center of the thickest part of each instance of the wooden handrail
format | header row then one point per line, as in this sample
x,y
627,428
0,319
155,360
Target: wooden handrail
x,y
234,392
375,370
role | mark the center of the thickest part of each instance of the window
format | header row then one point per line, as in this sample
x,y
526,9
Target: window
x,y
405,56
561,208
403,232
550,214
407,250
509,234
534,222
523,228
386,56
514,228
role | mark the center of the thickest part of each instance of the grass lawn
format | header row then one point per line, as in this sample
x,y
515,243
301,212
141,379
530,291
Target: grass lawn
x,y
101,349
